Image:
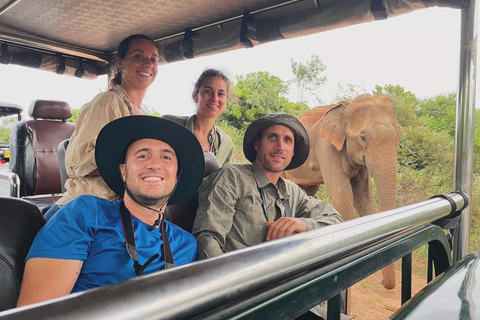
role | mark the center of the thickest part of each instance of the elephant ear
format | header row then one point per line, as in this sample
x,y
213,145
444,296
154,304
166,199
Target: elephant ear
x,y
332,126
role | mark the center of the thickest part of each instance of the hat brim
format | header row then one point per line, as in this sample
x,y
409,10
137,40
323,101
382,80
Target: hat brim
x,y
302,141
114,138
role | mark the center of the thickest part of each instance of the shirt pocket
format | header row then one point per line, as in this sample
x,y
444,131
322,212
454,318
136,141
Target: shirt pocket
x,y
249,223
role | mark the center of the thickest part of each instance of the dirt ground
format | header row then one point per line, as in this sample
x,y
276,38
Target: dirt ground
x,y
371,301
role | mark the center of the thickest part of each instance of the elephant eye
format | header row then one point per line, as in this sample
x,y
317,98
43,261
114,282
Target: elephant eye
x,y
363,138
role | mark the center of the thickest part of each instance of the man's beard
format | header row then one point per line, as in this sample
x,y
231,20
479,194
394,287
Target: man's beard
x,y
144,199
150,201
265,164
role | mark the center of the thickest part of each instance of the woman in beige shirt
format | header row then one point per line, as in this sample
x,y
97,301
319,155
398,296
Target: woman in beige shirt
x,y
210,95
137,62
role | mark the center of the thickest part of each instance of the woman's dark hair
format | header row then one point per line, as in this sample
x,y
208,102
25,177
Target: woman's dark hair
x,y
211,73
122,51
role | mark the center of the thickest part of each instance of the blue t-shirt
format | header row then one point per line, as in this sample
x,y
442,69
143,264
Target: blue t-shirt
x,y
90,229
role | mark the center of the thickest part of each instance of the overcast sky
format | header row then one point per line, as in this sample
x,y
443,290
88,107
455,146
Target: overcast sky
x,y
419,51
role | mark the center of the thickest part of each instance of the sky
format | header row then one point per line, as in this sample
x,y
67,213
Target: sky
x,y
418,51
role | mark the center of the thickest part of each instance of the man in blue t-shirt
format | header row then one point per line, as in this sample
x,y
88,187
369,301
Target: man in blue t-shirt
x,y
90,242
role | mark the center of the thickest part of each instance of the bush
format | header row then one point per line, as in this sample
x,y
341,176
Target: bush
x,y
237,138
421,147
475,205
419,185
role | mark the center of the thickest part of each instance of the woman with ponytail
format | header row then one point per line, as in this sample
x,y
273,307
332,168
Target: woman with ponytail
x,y
136,68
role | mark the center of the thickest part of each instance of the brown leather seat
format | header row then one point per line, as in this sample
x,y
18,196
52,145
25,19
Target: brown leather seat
x,y
183,214
20,222
34,144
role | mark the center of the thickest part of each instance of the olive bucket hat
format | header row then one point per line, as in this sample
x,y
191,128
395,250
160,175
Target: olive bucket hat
x,y
115,138
302,142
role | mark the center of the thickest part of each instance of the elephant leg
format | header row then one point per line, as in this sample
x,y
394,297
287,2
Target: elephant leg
x,y
340,193
363,199
389,276
311,190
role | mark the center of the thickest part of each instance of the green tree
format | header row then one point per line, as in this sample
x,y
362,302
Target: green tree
x,y
439,113
347,92
255,95
151,111
74,116
307,77
4,135
6,124
420,146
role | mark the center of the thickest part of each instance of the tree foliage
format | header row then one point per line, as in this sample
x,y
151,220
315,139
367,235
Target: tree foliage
x,y
420,146
255,95
74,116
151,111
347,92
439,113
6,124
4,135
307,77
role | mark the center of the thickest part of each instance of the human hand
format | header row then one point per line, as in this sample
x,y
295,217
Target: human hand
x,y
284,227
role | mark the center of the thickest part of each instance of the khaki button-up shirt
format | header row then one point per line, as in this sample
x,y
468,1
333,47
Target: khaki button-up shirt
x,y
230,214
80,155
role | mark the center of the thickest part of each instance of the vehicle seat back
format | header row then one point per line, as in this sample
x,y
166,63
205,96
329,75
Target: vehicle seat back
x,y
183,213
34,146
20,222
62,148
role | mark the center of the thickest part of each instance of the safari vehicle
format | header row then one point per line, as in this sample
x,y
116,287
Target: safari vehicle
x,y
7,110
276,280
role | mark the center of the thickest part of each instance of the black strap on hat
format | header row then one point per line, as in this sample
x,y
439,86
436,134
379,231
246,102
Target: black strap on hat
x,y
129,234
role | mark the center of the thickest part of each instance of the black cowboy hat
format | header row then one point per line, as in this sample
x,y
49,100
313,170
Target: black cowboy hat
x,y
115,138
302,142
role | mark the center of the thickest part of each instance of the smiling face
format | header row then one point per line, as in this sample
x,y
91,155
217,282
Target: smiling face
x,y
275,149
139,67
211,97
150,171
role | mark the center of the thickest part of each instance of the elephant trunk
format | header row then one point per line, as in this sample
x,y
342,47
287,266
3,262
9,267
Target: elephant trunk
x,y
383,169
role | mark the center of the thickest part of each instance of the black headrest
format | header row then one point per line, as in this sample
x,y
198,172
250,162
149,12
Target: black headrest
x,y
20,222
49,109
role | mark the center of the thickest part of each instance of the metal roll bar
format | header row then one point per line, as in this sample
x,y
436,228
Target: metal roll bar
x,y
199,289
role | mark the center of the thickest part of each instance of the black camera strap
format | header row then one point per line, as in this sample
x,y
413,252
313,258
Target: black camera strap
x,y
129,234
286,205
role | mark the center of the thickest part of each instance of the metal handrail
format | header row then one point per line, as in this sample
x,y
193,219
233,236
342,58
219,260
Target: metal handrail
x,y
188,291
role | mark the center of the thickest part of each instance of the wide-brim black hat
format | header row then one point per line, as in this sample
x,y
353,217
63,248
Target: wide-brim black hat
x,y
115,138
302,142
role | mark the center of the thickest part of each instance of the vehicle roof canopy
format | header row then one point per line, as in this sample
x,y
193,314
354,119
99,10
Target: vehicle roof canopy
x,y
9,109
79,37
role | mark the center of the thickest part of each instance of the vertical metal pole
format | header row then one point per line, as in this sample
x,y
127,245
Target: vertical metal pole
x,y
465,120
406,278
333,308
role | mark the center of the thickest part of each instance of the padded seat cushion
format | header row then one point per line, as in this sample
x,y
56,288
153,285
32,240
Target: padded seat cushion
x,y
183,213
34,147
20,222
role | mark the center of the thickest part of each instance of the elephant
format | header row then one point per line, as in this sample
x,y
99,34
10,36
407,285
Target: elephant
x,y
349,142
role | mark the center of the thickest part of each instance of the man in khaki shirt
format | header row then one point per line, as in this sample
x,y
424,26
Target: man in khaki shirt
x,y
243,205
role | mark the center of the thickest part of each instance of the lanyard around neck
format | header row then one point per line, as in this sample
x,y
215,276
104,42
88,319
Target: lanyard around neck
x,y
286,205
129,234
127,100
